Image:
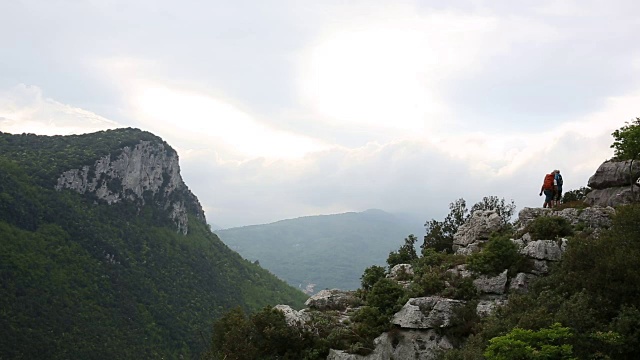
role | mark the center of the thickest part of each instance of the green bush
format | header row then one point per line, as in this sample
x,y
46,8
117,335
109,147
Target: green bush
x,y
549,228
499,253
548,344
386,295
371,276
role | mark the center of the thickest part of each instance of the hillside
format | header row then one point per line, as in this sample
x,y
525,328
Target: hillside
x,y
105,253
328,251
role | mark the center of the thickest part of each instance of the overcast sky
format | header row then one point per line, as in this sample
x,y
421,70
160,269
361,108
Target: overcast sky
x,y
280,109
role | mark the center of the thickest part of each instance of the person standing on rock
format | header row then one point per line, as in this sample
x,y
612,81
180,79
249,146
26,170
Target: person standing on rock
x,y
548,188
558,192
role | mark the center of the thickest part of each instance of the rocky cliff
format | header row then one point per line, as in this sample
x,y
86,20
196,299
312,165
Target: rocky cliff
x,y
421,327
614,183
147,172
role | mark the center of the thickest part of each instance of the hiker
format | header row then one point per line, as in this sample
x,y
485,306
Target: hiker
x,y
558,193
548,188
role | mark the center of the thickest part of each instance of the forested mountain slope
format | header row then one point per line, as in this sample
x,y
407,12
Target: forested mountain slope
x,y
328,251
104,252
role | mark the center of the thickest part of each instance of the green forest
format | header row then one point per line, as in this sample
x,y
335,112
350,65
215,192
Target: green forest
x,y
86,280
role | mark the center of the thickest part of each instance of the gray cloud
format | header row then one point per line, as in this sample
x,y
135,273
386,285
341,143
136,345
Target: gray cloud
x,y
552,71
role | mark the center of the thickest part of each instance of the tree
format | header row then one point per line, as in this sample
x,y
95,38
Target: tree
x,y
440,233
504,209
627,141
371,276
406,254
627,145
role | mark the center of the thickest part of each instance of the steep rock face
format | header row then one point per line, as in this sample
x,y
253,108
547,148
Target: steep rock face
x,y
613,182
145,172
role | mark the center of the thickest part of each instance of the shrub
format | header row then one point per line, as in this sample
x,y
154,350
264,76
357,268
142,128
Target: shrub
x,y
498,254
548,228
371,276
386,295
549,343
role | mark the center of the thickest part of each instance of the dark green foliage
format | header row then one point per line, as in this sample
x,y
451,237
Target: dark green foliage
x,y
498,254
406,254
594,291
548,344
439,234
387,296
548,228
371,276
263,335
627,141
575,195
82,280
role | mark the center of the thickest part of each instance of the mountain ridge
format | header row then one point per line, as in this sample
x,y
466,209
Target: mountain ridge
x,y
297,250
85,276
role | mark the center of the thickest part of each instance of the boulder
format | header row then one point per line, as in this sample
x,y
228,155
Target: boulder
x,y
487,307
543,250
293,317
333,299
613,196
520,283
491,285
401,344
477,229
540,267
426,313
401,272
613,174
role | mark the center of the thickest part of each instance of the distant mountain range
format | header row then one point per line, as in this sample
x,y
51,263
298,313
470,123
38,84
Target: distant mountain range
x,y
326,251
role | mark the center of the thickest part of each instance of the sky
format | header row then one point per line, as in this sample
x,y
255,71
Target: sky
x,y
281,109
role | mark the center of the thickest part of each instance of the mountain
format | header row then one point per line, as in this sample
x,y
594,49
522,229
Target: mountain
x,y
105,252
318,252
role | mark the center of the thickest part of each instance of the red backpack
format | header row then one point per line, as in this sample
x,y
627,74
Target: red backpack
x,y
548,182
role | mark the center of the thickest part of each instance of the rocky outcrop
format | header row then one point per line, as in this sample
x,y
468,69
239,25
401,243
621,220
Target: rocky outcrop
x,y
492,284
476,230
426,313
543,250
487,307
146,172
333,299
401,272
613,184
520,283
293,317
419,325
593,217
403,344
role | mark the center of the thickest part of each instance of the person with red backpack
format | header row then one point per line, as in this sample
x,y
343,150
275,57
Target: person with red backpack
x,y
549,187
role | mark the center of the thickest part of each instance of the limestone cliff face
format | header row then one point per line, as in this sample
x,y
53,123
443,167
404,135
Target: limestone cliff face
x,y
144,173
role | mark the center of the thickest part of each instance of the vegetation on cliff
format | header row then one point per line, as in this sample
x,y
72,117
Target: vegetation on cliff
x,y
83,279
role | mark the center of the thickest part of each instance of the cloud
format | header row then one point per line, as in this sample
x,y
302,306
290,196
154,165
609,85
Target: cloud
x,y
23,109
